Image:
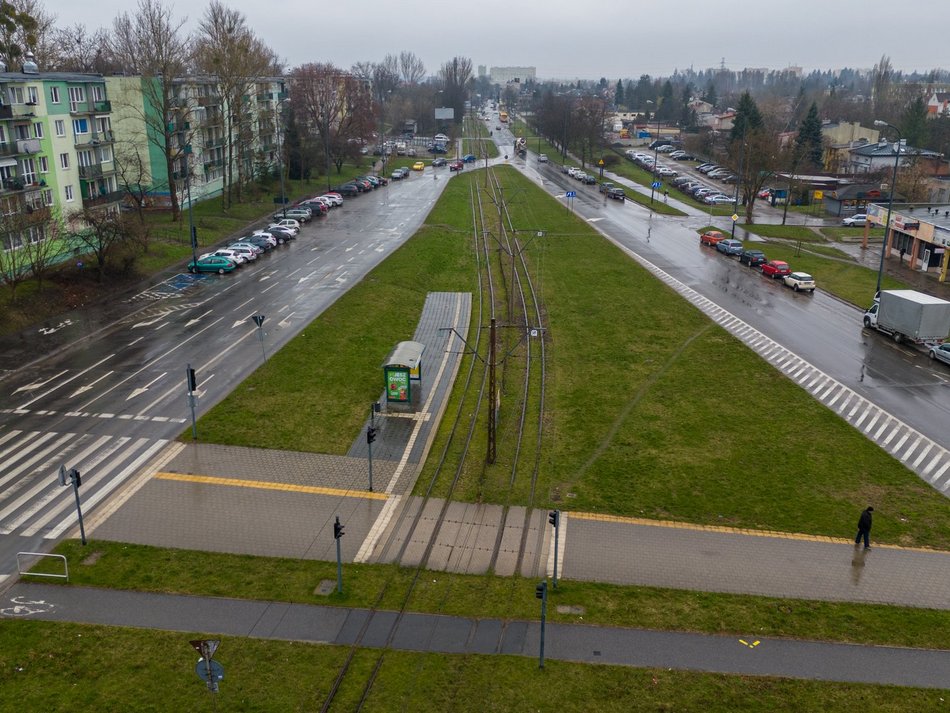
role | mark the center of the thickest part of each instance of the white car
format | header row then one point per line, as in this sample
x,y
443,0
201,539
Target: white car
x,y
231,255
269,237
542,158
335,198
799,281
246,250
288,223
941,352
858,220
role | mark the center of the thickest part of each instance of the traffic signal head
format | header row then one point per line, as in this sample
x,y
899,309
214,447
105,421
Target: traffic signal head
x,y
337,529
370,434
74,474
554,517
192,381
540,590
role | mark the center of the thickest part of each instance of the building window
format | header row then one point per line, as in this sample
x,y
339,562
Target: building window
x,y
60,127
48,197
77,96
98,93
105,154
44,164
28,171
38,130
85,158
33,96
80,126
69,193
54,95
16,95
64,160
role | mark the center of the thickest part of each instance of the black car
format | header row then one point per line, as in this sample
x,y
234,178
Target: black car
x,y
437,148
605,186
439,161
282,234
347,189
263,243
616,192
752,258
588,179
685,157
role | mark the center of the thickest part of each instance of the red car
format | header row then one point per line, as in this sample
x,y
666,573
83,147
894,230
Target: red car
x,y
711,238
775,268
456,166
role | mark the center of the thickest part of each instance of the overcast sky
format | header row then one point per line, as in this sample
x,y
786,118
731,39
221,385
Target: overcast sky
x,y
578,39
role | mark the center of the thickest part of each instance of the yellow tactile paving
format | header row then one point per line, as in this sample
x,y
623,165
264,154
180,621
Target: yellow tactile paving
x,y
266,485
730,530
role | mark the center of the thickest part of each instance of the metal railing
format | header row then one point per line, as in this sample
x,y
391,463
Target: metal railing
x,y
21,571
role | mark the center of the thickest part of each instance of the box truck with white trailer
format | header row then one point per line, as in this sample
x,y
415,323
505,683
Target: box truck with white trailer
x,y
908,315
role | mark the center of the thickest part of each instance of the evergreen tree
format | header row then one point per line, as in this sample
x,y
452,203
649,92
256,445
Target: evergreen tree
x,y
667,109
618,94
748,118
914,123
710,94
809,139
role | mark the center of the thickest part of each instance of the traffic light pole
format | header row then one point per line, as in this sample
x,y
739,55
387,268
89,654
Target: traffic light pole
x,y
541,592
370,437
337,534
554,517
73,476
192,385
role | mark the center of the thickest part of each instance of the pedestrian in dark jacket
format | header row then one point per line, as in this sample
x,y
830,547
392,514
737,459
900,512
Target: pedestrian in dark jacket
x,y
864,528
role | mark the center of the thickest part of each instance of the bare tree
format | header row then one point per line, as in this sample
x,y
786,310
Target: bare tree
x,y
105,234
15,268
411,68
591,115
19,28
45,245
74,49
150,43
132,166
455,76
227,49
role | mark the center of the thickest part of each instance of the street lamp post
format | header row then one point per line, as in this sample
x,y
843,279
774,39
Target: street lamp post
x,y
281,96
890,201
735,201
192,235
656,148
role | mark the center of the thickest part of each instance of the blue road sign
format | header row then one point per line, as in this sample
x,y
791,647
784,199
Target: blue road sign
x,y
657,184
571,194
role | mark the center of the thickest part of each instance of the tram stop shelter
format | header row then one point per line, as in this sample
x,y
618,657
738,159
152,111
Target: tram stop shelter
x,y
400,370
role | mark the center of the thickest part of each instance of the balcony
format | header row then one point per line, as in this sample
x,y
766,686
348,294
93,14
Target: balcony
x,y
214,163
89,173
212,143
28,146
210,100
12,184
265,97
103,199
8,149
94,139
102,107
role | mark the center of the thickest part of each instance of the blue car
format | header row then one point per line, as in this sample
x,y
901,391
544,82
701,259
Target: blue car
x,y
729,246
469,158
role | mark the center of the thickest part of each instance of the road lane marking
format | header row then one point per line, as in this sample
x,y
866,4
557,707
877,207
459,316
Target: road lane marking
x,y
267,485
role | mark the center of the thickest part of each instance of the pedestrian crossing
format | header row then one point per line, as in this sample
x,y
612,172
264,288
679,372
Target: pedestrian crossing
x,y
925,457
32,501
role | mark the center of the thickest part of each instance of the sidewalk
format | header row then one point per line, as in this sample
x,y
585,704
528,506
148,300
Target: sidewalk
x,y
459,635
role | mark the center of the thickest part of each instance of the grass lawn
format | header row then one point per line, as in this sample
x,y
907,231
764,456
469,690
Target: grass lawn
x,y
649,448
154,569
786,232
52,667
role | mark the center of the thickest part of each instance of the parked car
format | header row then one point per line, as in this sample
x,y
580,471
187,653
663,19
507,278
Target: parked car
x,y
711,238
664,171
685,157
212,263
605,186
246,250
335,197
437,148
775,268
347,189
589,179
764,193
721,199
858,220
436,162
269,238
264,242
752,258
617,193
799,281
301,215
288,223
418,166
542,158
282,234
231,255
729,246
456,166
469,158
940,352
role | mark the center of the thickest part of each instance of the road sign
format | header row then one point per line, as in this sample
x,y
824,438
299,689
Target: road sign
x,y
656,184
258,319
735,217
601,162
206,647
209,671
570,194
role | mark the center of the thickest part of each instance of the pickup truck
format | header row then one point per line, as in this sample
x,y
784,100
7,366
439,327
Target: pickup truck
x,y
908,315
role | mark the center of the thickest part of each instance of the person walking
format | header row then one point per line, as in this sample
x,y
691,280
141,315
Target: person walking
x,y
864,528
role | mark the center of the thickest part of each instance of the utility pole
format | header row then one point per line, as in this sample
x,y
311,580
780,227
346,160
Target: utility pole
x,y
541,592
491,393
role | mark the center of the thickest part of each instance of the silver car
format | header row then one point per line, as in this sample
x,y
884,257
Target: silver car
x,y
941,352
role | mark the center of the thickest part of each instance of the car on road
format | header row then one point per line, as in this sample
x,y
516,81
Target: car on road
x,y
752,258
469,158
711,238
729,246
588,179
940,352
775,268
858,220
456,166
542,158
436,162
418,166
799,281
400,173
212,263
616,192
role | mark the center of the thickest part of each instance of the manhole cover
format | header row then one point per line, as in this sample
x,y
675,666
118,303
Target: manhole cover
x,y
570,609
325,588
92,558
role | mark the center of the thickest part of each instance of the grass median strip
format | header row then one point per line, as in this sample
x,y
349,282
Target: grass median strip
x,y
154,569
